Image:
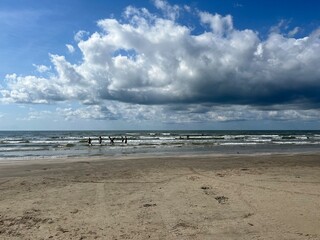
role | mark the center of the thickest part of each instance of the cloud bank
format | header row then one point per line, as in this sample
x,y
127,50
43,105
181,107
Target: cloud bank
x,y
146,63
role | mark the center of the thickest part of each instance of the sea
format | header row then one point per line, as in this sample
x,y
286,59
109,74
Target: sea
x,y
15,145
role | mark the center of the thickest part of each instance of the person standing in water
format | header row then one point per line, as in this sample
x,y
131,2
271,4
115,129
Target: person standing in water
x,y
111,140
100,140
89,142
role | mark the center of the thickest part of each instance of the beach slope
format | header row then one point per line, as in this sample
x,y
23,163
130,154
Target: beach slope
x,y
186,197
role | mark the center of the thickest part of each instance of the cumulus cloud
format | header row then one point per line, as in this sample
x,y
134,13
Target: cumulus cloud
x,y
283,27
171,12
90,112
191,113
156,63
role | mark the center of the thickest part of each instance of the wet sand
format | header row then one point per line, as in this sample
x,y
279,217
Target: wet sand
x,y
188,197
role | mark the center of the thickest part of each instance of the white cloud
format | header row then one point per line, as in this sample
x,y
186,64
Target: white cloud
x,y
90,112
191,113
170,11
145,65
293,32
42,68
219,25
80,35
36,115
70,48
283,27
282,24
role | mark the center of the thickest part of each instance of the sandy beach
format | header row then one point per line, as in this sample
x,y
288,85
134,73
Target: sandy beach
x,y
187,197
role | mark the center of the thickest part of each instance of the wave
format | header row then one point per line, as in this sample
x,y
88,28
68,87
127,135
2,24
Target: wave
x,y
288,137
22,149
68,143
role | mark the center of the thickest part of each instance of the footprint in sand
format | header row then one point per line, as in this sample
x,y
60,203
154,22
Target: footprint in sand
x,y
221,199
208,191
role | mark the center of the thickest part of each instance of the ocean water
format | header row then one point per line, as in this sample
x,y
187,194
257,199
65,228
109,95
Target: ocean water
x,y
55,144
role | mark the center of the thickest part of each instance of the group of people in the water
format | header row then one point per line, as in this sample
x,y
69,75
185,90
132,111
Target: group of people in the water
x,y
111,139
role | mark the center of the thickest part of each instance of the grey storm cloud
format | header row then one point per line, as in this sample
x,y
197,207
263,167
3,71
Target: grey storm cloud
x,y
151,60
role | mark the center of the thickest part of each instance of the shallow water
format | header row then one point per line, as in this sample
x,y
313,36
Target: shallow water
x,y
52,144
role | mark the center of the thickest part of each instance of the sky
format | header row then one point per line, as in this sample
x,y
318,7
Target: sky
x,y
156,64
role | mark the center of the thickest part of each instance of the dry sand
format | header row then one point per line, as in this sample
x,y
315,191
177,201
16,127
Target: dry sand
x,y
195,197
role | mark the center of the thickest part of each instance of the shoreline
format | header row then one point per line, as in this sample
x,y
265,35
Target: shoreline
x,y
44,145
132,156
240,196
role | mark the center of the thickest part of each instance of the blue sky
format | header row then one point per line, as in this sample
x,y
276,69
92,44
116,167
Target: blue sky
x,y
158,64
